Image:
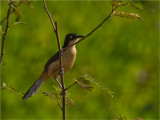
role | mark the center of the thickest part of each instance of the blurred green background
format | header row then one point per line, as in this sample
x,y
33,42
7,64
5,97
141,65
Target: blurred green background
x,y
122,54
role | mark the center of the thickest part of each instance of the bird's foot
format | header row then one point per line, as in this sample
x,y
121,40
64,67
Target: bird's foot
x,y
65,92
61,72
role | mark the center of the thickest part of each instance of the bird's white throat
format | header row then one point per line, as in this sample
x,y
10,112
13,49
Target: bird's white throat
x,y
73,41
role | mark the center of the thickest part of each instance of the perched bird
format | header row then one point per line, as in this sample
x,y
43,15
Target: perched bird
x,y
52,67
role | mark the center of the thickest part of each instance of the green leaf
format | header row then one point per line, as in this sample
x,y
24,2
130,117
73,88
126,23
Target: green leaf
x,y
27,2
70,104
84,82
129,4
11,3
87,83
128,15
49,94
56,95
17,23
120,117
57,89
12,89
17,14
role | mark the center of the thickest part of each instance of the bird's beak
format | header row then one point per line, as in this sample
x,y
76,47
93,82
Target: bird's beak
x,y
79,36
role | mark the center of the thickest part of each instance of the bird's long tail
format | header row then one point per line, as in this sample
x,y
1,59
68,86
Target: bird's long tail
x,y
33,89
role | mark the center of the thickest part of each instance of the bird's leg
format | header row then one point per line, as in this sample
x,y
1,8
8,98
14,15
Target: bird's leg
x,y
60,86
61,72
58,82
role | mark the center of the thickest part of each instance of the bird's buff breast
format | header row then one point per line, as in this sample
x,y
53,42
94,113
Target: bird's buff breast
x,y
68,58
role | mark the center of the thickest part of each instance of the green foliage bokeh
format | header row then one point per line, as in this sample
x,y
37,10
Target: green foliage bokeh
x,y
122,54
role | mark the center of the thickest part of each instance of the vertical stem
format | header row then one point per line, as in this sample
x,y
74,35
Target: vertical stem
x,y
61,73
4,35
54,25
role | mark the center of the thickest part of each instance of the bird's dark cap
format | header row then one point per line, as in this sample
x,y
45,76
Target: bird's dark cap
x,y
72,36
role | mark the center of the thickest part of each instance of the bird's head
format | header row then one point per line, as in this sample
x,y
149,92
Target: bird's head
x,y
71,39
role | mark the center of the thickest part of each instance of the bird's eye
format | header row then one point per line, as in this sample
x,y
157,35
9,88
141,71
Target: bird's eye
x,y
70,37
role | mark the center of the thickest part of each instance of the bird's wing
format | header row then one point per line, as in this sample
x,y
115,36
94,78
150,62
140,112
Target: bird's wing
x,y
51,60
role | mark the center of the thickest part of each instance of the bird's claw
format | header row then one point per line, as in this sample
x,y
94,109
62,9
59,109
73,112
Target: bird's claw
x,y
62,71
62,93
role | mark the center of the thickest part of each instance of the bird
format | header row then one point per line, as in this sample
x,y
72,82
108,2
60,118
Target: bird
x,y
52,67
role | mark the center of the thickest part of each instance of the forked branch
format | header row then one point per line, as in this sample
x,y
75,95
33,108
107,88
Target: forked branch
x,y
54,25
19,3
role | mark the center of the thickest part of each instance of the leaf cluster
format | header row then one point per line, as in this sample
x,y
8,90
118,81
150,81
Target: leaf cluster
x,y
14,6
118,3
11,88
88,83
128,15
56,95
129,4
70,104
16,11
120,117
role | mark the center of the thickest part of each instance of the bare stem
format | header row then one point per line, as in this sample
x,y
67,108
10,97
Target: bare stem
x,y
92,30
61,73
54,25
50,17
4,35
112,4
58,102
70,86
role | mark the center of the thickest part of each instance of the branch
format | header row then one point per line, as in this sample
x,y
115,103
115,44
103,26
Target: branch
x,y
70,86
74,83
50,17
128,15
11,89
59,104
10,13
54,25
51,95
17,5
61,73
93,29
4,35
112,4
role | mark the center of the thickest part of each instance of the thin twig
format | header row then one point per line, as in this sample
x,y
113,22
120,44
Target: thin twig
x,y
61,74
74,83
70,86
92,30
4,35
59,104
54,24
50,17
112,4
